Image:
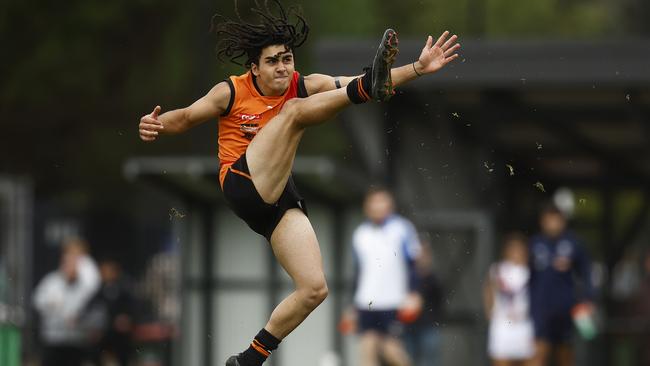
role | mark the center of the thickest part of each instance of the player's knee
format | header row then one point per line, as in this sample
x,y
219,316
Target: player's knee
x,y
292,110
315,293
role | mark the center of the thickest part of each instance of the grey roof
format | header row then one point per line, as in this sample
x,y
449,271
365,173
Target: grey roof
x,y
509,63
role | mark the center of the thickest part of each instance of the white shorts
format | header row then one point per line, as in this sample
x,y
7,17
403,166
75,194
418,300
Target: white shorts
x,y
511,340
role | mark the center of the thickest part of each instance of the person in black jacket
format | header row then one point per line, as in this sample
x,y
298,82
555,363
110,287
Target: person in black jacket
x,y
421,337
115,303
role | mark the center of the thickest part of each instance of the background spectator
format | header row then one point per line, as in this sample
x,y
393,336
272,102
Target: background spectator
x,y
60,299
557,262
642,310
116,303
507,305
422,338
385,247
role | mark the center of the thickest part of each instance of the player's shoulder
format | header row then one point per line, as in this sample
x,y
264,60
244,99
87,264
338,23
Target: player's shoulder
x,y
315,83
360,233
362,227
53,278
313,78
570,235
237,82
222,89
232,91
537,239
401,222
222,95
570,238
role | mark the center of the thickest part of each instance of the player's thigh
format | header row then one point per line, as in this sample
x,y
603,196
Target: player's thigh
x,y
296,248
271,153
369,344
394,351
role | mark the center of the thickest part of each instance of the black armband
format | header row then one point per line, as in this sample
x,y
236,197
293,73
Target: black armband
x,y
337,82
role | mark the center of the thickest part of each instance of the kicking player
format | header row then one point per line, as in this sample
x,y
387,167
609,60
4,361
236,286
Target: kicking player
x,y
262,116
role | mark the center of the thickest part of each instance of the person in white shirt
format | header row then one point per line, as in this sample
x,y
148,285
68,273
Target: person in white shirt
x,y
385,248
511,339
60,299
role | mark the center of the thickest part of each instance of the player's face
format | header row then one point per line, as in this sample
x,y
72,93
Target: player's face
x,y
553,224
275,69
516,252
69,266
378,207
109,271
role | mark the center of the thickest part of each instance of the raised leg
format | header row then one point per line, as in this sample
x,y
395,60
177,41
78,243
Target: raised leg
x,y
296,248
271,153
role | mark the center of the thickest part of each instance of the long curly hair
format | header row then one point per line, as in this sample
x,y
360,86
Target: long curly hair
x,y
238,38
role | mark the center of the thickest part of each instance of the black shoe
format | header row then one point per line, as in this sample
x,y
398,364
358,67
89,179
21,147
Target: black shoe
x,y
232,361
382,84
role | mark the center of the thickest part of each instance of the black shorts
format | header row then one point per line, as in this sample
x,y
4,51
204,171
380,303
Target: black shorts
x,y
555,327
246,202
382,322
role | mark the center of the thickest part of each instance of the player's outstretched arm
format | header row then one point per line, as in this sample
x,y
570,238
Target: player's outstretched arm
x,y
318,83
433,58
212,105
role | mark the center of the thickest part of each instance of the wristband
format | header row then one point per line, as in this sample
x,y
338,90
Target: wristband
x,y
416,71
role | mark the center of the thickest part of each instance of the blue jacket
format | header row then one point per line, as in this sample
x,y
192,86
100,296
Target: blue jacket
x,y
555,265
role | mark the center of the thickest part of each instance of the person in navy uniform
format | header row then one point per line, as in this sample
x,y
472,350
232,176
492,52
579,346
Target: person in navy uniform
x,y
560,267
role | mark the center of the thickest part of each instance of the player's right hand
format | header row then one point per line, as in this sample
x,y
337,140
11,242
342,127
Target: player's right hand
x,y
150,125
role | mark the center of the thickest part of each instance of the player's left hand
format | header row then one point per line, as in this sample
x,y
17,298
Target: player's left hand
x,y
436,56
411,308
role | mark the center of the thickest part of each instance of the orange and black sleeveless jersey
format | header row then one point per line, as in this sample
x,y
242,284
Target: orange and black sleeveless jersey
x,y
247,113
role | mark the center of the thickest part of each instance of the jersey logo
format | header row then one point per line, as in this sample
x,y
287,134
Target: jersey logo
x,y
249,117
249,130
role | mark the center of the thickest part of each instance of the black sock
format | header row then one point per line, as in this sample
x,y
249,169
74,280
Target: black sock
x,y
359,88
260,349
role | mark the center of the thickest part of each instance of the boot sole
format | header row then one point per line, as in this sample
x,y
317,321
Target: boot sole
x,y
382,84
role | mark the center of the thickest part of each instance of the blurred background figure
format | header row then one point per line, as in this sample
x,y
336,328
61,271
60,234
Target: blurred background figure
x,y
115,302
558,261
60,299
626,279
421,335
157,326
385,248
160,285
642,311
507,305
